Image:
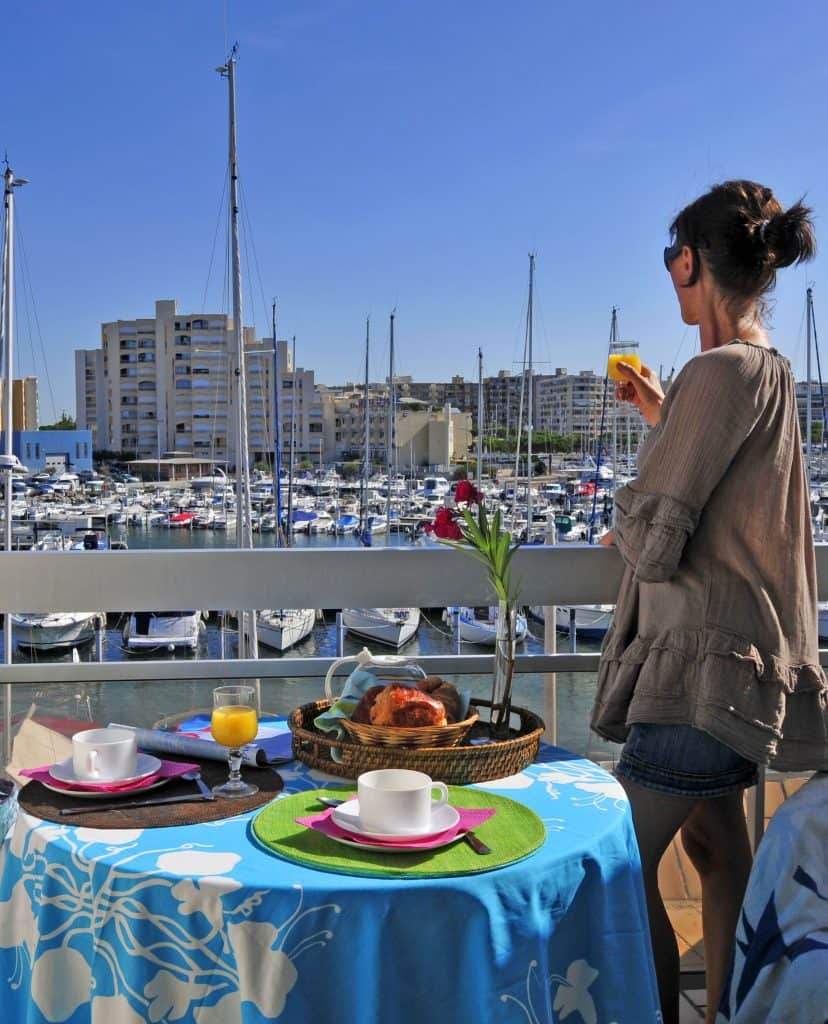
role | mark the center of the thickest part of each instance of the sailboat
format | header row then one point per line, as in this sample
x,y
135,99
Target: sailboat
x,y
35,631
281,628
391,626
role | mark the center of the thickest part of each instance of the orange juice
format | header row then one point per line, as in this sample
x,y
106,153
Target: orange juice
x,y
622,357
234,725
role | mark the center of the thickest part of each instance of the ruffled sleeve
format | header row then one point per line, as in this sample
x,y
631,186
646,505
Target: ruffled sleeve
x,y
706,417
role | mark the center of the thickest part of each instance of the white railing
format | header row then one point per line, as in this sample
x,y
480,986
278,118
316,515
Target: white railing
x,y
222,579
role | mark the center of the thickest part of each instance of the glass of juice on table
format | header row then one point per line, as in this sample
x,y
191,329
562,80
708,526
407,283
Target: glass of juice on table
x,y
623,352
234,723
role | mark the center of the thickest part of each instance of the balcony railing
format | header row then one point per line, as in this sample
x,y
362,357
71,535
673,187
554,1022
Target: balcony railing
x,y
122,581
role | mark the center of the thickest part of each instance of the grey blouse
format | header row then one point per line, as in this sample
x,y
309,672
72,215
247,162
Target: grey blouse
x,y
716,619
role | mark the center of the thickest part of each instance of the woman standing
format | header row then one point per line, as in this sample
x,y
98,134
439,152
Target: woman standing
x,y
711,666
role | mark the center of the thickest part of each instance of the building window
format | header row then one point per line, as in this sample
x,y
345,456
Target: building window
x,y
183,385
315,428
77,449
28,451
37,451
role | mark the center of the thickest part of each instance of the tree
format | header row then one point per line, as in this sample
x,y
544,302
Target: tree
x,y
64,423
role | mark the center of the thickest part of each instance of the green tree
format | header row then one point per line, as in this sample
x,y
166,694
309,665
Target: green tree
x,y
64,423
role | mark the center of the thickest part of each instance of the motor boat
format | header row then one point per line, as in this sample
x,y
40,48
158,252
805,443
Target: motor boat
x,y
54,631
179,630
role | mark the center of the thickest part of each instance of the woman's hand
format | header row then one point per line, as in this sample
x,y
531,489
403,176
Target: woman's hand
x,y
643,390
608,540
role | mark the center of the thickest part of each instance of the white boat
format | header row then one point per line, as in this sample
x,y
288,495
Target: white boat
x,y
591,620
823,620
281,628
54,631
479,626
180,630
392,626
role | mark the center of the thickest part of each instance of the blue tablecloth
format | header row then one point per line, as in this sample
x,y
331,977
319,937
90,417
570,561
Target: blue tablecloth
x,y
198,925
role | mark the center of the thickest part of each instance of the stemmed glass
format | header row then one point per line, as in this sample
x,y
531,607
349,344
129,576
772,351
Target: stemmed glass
x,y
234,723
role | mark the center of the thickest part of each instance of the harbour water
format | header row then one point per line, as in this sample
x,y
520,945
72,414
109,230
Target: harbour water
x,y
144,704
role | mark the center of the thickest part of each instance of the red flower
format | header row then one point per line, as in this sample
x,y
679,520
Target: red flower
x,y
467,493
445,525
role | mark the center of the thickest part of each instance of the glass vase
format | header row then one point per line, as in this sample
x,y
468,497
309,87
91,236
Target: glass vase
x,y
504,667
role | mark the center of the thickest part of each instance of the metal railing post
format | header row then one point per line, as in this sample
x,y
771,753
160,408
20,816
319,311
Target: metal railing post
x,y
340,636
573,632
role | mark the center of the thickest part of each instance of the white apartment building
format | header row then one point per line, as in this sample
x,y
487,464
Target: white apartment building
x,y
90,396
163,383
572,403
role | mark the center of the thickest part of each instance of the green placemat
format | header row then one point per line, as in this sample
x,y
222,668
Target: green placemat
x,y
513,833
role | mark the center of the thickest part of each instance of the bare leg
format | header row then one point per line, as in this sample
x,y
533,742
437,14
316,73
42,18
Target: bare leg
x,y
715,837
657,817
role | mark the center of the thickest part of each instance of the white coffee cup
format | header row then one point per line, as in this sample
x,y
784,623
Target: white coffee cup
x,y
396,801
104,755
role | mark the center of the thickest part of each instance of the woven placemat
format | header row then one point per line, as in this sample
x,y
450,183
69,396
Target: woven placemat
x,y
44,803
513,833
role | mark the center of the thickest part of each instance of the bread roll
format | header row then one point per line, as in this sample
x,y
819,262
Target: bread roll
x,y
406,707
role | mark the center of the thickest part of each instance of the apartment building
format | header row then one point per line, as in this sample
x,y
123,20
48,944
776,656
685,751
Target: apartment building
x,y
573,403
424,434
25,404
164,383
90,396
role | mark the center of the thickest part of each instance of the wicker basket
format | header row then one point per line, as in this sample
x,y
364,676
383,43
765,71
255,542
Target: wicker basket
x,y
466,762
401,736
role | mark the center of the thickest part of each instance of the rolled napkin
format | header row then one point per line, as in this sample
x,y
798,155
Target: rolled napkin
x,y
470,817
168,770
195,742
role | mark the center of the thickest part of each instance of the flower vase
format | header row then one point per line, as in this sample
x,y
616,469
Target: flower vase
x,y
504,667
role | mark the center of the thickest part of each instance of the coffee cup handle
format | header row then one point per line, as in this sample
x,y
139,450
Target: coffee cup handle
x,y
442,799
92,762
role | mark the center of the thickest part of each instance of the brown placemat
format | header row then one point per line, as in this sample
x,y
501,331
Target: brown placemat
x,y
36,799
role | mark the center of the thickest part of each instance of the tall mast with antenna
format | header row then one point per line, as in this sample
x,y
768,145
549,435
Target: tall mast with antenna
x,y
7,462
248,645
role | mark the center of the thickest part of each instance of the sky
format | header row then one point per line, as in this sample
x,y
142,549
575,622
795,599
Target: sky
x,y
398,155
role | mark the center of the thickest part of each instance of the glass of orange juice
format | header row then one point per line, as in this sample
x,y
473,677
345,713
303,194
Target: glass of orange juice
x,y
234,723
623,352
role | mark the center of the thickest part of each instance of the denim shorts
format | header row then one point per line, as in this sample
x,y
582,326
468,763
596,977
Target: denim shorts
x,y
683,761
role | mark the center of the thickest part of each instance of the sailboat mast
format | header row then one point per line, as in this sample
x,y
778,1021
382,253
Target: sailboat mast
x,y
244,527
529,410
292,448
277,434
809,410
479,418
363,504
389,458
7,349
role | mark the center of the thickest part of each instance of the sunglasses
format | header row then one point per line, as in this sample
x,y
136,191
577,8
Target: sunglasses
x,y
671,252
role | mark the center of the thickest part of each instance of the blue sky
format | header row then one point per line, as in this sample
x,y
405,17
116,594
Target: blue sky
x,y
404,154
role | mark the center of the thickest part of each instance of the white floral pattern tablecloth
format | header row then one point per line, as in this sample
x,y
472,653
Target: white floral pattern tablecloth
x,y
198,925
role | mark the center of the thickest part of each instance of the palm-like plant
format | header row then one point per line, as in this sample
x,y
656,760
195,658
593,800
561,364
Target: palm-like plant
x,y
491,545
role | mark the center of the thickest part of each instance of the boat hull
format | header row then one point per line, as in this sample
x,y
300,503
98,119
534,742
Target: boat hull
x,y
591,621
281,630
164,631
55,631
383,625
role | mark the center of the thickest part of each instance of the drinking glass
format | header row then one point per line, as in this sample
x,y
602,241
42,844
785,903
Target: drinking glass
x,y
234,723
623,352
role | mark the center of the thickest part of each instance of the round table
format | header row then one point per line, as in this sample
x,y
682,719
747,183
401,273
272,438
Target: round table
x,y
198,925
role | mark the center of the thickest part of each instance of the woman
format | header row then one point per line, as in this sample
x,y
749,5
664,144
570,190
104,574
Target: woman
x,y
711,666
